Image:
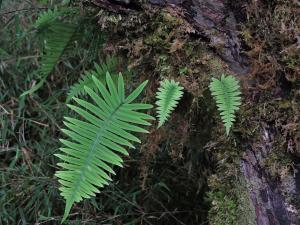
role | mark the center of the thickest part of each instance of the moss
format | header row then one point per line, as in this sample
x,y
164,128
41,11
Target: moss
x,y
164,27
163,65
273,49
158,47
278,164
224,204
227,192
246,211
193,140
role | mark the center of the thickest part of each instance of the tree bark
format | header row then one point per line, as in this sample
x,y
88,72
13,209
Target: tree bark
x,y
271,208
211,19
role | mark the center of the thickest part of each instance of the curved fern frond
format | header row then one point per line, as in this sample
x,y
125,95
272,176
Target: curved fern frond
x,y
226,91
94,143
56,39
87,79
168,96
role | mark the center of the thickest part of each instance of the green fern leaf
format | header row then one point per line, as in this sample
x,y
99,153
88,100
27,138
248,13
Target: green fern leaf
x,y
168,96
87,79
60,36
57,39
95,143
226,91
46,18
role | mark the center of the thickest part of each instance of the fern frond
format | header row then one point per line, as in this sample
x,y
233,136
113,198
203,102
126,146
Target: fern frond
x,y
46,18
87,79
226,91
168,96
58,37
95,142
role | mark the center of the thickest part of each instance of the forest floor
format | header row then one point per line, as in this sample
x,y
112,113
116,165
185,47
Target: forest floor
x,y
188,172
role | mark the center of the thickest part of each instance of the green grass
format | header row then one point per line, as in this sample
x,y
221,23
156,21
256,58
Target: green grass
x,y
28,128
29,125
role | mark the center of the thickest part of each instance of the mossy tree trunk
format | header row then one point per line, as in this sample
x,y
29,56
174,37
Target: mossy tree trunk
x,y
215,23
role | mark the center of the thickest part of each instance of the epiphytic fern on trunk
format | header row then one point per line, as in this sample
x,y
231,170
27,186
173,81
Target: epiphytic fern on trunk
x,y
226,91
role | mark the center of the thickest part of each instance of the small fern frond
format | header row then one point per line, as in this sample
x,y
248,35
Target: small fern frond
x,y
168,96
99,72
60,36
226,91
94,143
56,39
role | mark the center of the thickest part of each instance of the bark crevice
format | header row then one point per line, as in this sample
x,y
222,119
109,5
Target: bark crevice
x,y
212,19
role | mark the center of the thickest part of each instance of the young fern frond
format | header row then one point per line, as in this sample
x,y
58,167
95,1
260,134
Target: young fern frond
x,y
226,91
168,96
94,143
87,79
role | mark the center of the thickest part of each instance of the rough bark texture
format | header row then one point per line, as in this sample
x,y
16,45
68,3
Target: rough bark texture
x,y
216,22
212,20
270,206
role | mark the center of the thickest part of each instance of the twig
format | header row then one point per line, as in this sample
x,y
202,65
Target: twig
x,y
20,58
20,10
7,149
5,111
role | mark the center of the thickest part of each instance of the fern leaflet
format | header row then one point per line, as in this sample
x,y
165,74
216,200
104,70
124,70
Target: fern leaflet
x,y
46,18
87,79
226,91
93,144
168,96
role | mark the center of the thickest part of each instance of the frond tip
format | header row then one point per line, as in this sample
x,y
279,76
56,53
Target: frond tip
x,y
99,72
227,92
168,96
46,18
95,142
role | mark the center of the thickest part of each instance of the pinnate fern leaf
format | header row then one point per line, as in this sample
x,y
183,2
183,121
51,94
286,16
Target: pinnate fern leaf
x,y
94,144
226,91
167,99
99,72
57,36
